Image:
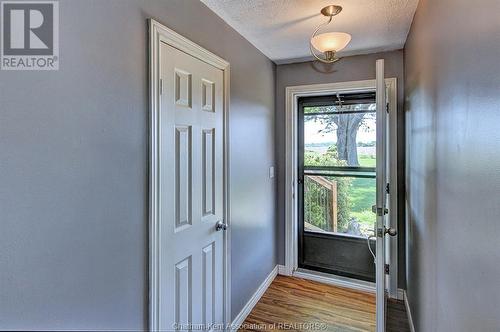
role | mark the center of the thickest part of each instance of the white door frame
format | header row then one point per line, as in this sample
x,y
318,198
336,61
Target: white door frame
x,y
292,93
159,33
381,198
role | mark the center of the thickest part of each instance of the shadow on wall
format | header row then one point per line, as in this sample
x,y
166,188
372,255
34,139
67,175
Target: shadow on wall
x,y
421,154
324,68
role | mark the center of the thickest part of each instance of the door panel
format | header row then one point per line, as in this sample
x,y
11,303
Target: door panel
x,y
191,191
183,176
341,255
208,160
208,280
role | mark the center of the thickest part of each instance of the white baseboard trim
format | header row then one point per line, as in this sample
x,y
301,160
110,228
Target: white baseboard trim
x,y
334,280
238,320
284,271
329,279
408,312
401,294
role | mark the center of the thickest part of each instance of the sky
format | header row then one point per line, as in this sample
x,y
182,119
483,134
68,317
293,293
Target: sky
x,y
366,133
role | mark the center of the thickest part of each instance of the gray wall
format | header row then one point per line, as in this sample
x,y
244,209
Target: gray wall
x,y
452,90
74,168
354,68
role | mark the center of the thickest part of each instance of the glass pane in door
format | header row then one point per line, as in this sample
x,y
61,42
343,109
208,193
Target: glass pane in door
x,y
343,205
341,139
337,183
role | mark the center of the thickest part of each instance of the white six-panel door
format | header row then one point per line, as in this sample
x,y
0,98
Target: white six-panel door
x,y
191,191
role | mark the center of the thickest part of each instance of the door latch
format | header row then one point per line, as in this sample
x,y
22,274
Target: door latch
x,y
379,211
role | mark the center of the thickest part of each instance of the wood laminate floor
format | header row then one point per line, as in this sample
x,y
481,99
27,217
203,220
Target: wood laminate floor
x,y
397,320
296,304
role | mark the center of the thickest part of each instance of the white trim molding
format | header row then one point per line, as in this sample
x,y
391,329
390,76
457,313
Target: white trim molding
x,y
292,93
240,319
158,33
408,312
283,271
329,279
401,294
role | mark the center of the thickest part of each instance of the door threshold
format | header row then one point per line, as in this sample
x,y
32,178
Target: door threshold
x,y
335,280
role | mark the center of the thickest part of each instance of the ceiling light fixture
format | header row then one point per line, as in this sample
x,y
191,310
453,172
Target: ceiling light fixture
x,y
328,43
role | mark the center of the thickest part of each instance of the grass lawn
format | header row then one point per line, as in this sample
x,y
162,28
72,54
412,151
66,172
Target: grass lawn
x,y
367,160
362,194
361,191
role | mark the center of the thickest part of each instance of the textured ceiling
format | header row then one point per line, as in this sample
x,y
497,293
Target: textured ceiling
x,y
281,28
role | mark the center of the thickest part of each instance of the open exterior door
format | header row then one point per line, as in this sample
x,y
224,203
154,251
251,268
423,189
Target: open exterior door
x,y
380,207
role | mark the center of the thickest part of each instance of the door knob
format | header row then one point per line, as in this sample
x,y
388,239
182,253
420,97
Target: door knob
x,y
220,226
383,231
391,231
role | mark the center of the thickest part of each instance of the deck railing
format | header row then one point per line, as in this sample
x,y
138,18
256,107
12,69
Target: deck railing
x,y
320,203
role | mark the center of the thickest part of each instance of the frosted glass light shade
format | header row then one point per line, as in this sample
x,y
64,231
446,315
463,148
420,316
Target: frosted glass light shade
x,y
331,41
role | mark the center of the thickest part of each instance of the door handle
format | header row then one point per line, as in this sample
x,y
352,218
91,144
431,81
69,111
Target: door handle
x,y
391,231
220,226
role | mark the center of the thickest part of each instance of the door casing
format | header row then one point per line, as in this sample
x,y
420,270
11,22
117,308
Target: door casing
x,y
158,33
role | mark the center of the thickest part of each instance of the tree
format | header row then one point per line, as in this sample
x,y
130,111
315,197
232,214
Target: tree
x,y
347,130
346,126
